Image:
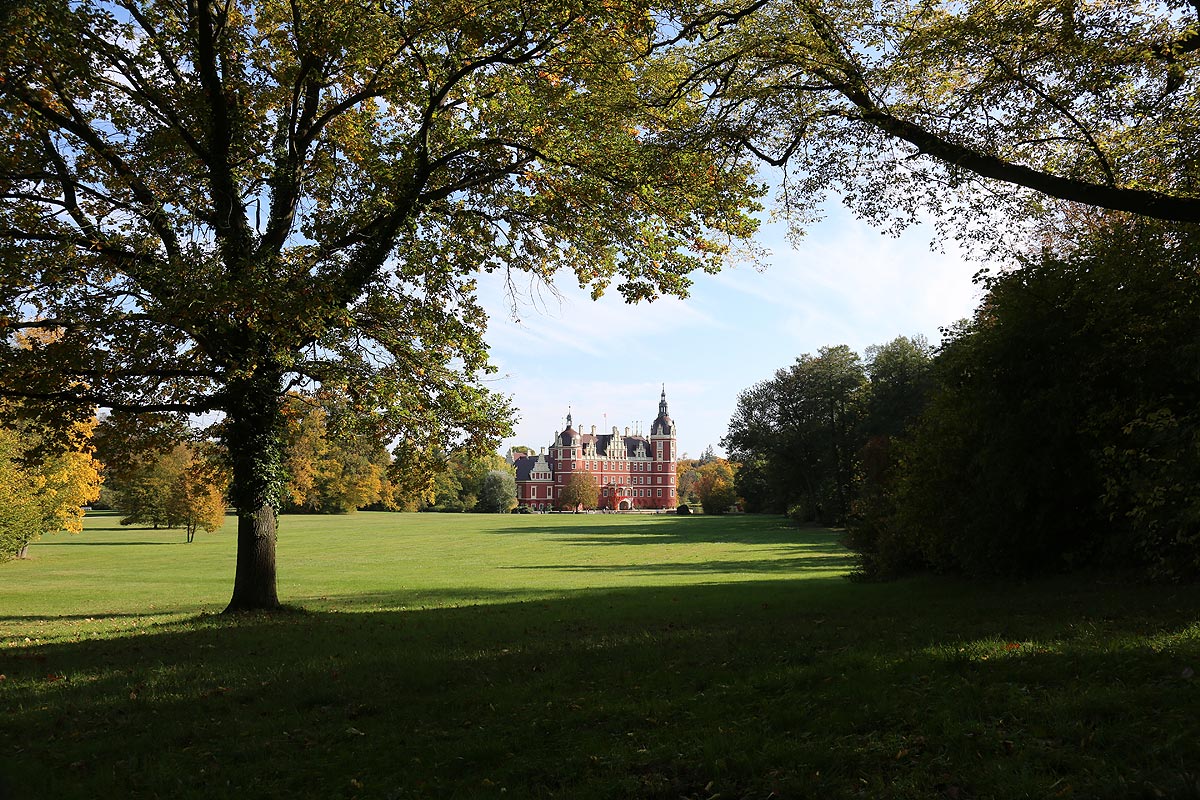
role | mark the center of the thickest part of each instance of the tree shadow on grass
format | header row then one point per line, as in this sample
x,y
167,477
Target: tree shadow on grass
x,y
98,616
80,543
670,529
797,688
793,565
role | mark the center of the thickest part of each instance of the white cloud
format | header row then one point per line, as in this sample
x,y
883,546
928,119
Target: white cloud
x,y
843,284
852,285
565,320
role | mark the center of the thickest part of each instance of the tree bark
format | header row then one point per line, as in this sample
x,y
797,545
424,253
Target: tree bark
x,y
254,579
253,437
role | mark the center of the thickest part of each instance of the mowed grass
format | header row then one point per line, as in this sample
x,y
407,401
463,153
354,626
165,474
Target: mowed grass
x,y
579,656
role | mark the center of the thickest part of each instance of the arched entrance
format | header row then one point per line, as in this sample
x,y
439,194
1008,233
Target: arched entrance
x,y
624,505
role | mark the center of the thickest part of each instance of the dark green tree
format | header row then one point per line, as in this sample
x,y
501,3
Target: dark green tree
x,y
1063,429
804,424
900,380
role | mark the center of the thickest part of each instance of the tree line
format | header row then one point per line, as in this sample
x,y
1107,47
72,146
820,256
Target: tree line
x,y
1058,428
160,473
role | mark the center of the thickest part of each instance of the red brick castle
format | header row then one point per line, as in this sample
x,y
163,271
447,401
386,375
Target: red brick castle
x,y
632,471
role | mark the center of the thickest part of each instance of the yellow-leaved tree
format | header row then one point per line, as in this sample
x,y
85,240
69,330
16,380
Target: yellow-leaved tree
x,y
43,489
197,499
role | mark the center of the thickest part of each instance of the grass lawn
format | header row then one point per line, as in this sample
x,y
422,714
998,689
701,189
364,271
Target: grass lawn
x,y
579,657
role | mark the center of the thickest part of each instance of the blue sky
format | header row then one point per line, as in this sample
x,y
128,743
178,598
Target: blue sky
x,y
845,283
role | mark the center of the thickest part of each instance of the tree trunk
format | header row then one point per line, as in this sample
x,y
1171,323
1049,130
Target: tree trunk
x,y
253,436
254,580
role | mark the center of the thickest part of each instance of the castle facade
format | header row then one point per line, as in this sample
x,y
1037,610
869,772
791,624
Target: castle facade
x,y
631,471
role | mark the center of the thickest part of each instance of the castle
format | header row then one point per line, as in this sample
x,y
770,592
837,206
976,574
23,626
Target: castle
x,y
631,471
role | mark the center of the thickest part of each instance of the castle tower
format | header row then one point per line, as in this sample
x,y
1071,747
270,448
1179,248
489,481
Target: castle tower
x,y
662,451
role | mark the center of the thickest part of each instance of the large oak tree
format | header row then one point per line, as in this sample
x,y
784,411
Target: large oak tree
x,y
215,203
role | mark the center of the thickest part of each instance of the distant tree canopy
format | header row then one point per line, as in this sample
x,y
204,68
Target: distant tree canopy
x,y
331,466
797,436
707,481
715,486
156,474
460,481
217,203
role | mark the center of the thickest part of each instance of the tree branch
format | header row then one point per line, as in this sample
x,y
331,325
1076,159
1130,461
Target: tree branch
x,y
1138,201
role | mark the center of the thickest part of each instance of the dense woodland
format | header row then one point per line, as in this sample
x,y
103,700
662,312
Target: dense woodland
x,y
1059,428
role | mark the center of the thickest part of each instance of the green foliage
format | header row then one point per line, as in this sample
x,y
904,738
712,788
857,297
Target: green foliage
x,y
1147,473
498,495
799,431
144,492
1063,430
900,383
458,484
183,487
907,107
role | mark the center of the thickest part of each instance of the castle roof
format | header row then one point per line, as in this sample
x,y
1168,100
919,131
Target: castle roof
x,y
662,424
525,465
